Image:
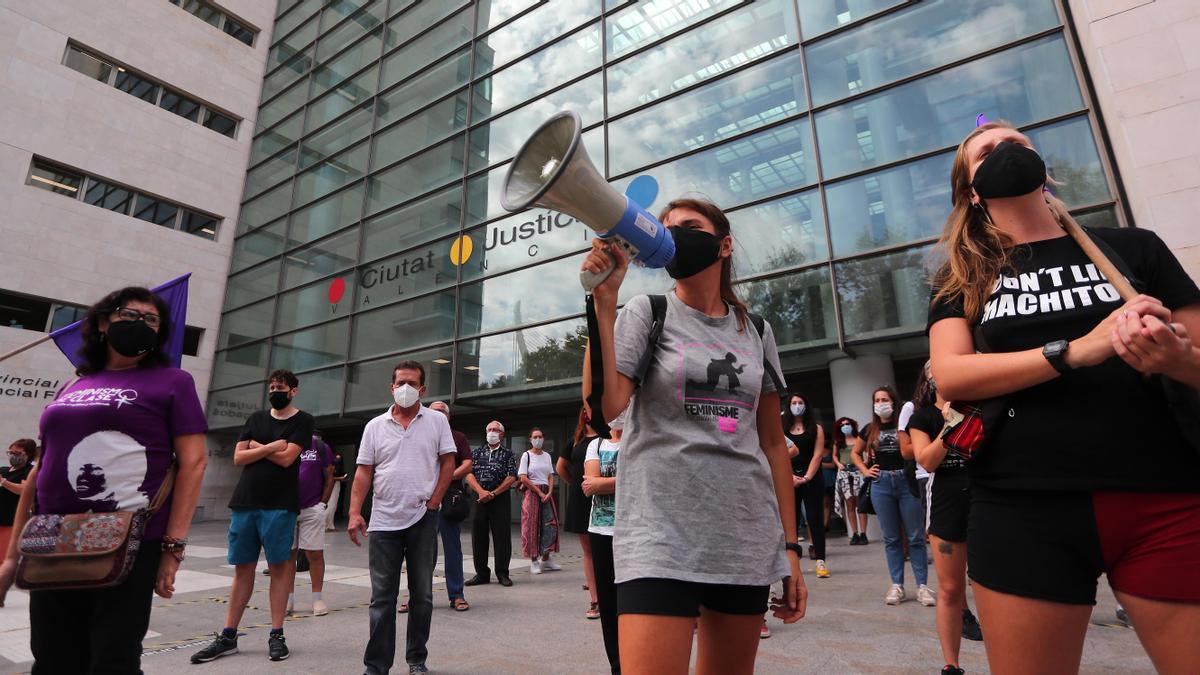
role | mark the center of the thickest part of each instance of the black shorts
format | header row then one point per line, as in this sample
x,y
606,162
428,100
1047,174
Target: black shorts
x,y
949,504
669,597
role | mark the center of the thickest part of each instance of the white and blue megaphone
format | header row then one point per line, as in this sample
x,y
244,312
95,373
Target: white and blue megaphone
x,y
552,170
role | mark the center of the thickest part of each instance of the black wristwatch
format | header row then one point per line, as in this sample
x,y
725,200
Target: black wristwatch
x,y
1056,353
790,546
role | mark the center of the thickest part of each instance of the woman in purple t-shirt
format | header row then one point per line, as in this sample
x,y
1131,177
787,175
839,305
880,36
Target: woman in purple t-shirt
x,y
109,438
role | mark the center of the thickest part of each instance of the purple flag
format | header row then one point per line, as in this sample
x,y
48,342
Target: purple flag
x,y
175,293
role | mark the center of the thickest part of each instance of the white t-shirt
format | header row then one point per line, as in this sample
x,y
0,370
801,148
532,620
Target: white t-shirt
x,y
407,466
604,507
906,413
537,466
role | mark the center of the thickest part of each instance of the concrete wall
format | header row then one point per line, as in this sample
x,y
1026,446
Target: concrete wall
x,y
62,249
1144,57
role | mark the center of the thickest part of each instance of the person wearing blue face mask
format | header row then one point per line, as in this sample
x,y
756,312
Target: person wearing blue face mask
x,y
849,481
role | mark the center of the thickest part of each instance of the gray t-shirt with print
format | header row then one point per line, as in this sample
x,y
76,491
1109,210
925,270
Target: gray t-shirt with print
x,y
695,499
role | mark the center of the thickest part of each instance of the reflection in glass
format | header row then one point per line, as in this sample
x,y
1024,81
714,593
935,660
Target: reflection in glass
x,y
364,20
222,124
821,17
650,20
778,235
494,13
336,71
430,169
155,211
251,285
890,207
277,138
345,97
257,246
287,22
198,224
312,348
564,60
321,392
442,119
1102,218
429,218
180,105
413,272
1069,149
745,35
340,9
421,16
55,179
328,215
370,382
230,408
136,85
523,239
747,100
542,355
502,137
429,47
425,320
270,172
324,300
282,105
288,73
338,136
320,259
884,296
483,196
240,365
419,91
89,65
798,306
246,325
333,173
1032,82
921,37
107,196
265,208
532,30
528,296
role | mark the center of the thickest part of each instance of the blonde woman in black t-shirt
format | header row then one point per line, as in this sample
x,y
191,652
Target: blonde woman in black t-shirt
x,y
1068,362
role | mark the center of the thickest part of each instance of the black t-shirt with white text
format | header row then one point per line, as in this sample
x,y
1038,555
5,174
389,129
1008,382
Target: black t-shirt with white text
x,y
264,484
1090,428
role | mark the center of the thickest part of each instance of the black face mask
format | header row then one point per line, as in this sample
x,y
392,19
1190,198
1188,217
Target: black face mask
x,y
1011,170
131,338
279,399
695,250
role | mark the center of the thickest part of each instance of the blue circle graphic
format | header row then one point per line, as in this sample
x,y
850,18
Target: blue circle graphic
x,y
643,191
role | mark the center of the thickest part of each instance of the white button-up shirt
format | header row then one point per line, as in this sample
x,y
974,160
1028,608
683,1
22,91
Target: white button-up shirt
x,y
406,464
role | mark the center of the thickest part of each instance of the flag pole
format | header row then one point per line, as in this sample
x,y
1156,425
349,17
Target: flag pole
x,y
29,346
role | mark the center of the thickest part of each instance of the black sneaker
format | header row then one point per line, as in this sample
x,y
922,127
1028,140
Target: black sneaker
x,y
952,670
971,629
862,540
277,647
220,646
854,539
417,669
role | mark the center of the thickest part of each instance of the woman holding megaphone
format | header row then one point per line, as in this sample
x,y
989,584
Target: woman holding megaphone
x,y
704,521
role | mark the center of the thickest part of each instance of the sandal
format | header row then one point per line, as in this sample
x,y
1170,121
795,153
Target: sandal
x,y
403,608
593,611
460,605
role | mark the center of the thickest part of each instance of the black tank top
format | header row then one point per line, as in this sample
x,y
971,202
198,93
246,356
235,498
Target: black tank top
x,y
806,443
887,447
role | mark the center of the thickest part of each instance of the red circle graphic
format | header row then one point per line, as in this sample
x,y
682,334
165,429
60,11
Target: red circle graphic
x,y
336,290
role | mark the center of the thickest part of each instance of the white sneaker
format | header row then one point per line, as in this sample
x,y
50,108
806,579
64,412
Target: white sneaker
x,y
926,596
535,567
550,565
895,595
320,608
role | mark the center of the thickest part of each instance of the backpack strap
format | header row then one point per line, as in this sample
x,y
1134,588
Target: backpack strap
x,y
658,313
760,326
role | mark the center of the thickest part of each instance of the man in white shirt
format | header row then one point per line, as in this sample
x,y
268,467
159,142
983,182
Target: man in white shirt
x,y
407,456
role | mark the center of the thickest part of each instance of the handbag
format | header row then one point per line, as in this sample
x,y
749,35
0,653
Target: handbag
x,y
970,424
864,498
454,505
84,550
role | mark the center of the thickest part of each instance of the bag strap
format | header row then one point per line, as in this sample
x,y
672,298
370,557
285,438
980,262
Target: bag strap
x,y
595,398
760,326
658,313
164,490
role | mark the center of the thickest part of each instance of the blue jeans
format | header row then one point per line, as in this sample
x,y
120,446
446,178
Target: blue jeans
x,y
452,546
895,505
387,552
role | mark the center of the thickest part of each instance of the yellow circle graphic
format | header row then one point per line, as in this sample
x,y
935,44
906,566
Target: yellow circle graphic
x,y
461,250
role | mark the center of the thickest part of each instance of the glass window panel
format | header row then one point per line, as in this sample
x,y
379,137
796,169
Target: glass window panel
x,y
54,179
283,105
425,320
286,23
767,163
328,215
798,306
325,300
333,173
203,10
251,285
890,207
136,85
778,235
543,355
523,239
527,296
321,391
265,208
246,325
532,30
240,365
239,32
108,196
747,100
1103,218
320,259
925,36
434,216
494,13
650,20
65,315
413,272
428,48
340,9
419,174
277,138
222,124
271,172
87,64
231,408
155,211
198,224
180,105
312,348
421,16
283,6
821,17
483,196
1069,149
745,35
885,295
1024,84
257,246
345,97
290,46
366,19
419,91
569,58
292,69
340,135
500,139
337,71
370,381
442,119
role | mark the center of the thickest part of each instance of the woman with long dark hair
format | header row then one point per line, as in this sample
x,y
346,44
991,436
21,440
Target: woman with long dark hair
x,y
705,520
109,440
1068,365
570,467
807,449
849,480
900,513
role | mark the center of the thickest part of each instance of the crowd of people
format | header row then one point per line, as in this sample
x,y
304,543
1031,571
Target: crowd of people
x,y
684,400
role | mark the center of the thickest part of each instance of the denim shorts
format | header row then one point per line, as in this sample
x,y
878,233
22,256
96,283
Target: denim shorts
x,y
270,530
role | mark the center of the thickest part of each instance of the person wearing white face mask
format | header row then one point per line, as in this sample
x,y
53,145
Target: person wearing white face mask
x,y
894,503
539,517
407,456
494,471
600,483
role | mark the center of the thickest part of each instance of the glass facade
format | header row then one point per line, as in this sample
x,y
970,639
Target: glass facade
x,y
371,229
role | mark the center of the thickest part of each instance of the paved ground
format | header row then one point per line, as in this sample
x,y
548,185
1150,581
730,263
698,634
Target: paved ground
x,y
848,628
